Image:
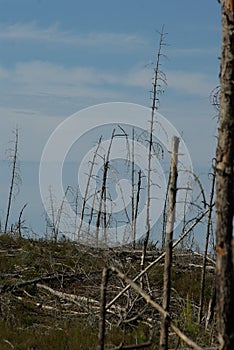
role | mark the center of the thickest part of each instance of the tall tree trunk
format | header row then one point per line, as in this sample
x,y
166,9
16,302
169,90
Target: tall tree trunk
x,y
133,186
102,321
103,191
136,205
159,78
208,230
13,178
224,186
87,188
169,238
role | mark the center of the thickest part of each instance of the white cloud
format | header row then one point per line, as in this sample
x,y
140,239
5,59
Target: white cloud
x,y
191,83
193,51
29,88
184,82
41,92
46,79
54,35
34,130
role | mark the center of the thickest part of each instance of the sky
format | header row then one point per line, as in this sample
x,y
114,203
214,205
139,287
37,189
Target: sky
x,y
58,57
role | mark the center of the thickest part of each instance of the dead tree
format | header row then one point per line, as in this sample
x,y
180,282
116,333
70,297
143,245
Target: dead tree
x,y
136,205
159,79
59,215
15,177
53,220
169,239
133,189
224,185
102,322
164,223
103,189
19,225
208,229
87,187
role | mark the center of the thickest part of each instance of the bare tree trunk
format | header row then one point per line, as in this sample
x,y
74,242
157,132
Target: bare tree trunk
x,y
51,221
102,322
91,213
59,215
133,190
209,223
211,307
104,215
164,224
169,238
13,178
159,77
75,208
136,208
87,187
103,189
224,186
20,219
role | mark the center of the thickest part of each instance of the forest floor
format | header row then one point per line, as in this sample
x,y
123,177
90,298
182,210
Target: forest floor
x,y
50,297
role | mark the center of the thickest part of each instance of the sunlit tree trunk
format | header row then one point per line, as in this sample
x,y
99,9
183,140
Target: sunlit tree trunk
x,y
169,239
224,187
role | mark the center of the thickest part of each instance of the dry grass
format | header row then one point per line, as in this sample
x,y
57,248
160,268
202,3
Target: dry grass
x,y
66,314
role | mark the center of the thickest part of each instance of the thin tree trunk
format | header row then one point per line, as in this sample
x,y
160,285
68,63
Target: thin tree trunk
x,y
20,219
164,224
155,92
87,187
103,189
52,224
169,239
104,215
211,307
59,215
13,177
102,322
224,185
136,208
133,190
76,207
91,213
209,223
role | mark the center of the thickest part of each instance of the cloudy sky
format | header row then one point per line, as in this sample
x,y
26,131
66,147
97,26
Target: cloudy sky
x,y
58,57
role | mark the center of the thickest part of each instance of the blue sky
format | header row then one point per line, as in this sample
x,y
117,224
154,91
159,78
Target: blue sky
x,y
58,57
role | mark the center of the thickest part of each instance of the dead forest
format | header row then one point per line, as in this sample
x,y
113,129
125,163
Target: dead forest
x,y
79,290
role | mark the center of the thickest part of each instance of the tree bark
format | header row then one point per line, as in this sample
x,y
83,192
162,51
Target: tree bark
x,y
169,238
102,322
224,186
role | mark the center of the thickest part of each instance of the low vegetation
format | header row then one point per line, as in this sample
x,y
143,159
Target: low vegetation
x,y
50,297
